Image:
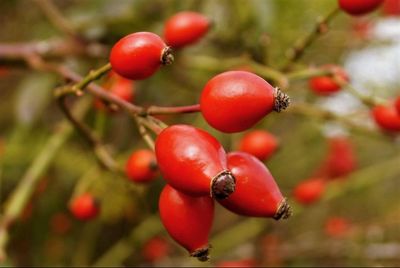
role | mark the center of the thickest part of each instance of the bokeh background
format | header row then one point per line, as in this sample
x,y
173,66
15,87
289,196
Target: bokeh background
x,y
46,233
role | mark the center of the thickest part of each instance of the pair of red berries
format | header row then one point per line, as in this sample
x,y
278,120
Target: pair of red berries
x,y
139,55
388,116
327,85
340,161
359,7
197,168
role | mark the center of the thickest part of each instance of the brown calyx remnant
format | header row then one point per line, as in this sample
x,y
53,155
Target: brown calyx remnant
x,y
282,100
222,185
284,210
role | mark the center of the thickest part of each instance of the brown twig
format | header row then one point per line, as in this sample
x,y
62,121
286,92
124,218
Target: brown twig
x,y
321,27
100,151
55,16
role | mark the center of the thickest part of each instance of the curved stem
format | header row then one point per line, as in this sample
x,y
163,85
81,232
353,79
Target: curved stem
x,y
81,85
158,110
145,134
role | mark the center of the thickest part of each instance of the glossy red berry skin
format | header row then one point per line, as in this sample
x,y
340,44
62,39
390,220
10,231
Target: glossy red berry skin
x,y
259,143
84,207
141,166
397,105
189,158
187,219
326,85
309,191
185,28
139,55
155,249
234,101
359,7
387,118
256,194
341,158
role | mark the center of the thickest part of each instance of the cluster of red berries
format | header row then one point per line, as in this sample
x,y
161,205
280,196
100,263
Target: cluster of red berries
x,y
198,170
387,117
194,164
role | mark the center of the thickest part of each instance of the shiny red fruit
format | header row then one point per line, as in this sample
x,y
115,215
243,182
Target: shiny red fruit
x,y
139,55
326,85
155,249
234,101
193,161
188,220
359,7
256,194
391,7
309,191
397,105
341,158
84,207
238,263
387,117
337,227
185,28
141,166
259,143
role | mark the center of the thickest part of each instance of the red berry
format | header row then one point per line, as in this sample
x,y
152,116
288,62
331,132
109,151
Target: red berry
x,y
139,55
386,117
239,263
326,85
391,7
259,143
187,219
337,227
397,105
256,193
341,158
309,191
234,101
155,249
84,207
193,161
359,7
185,28
118,86
141,166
